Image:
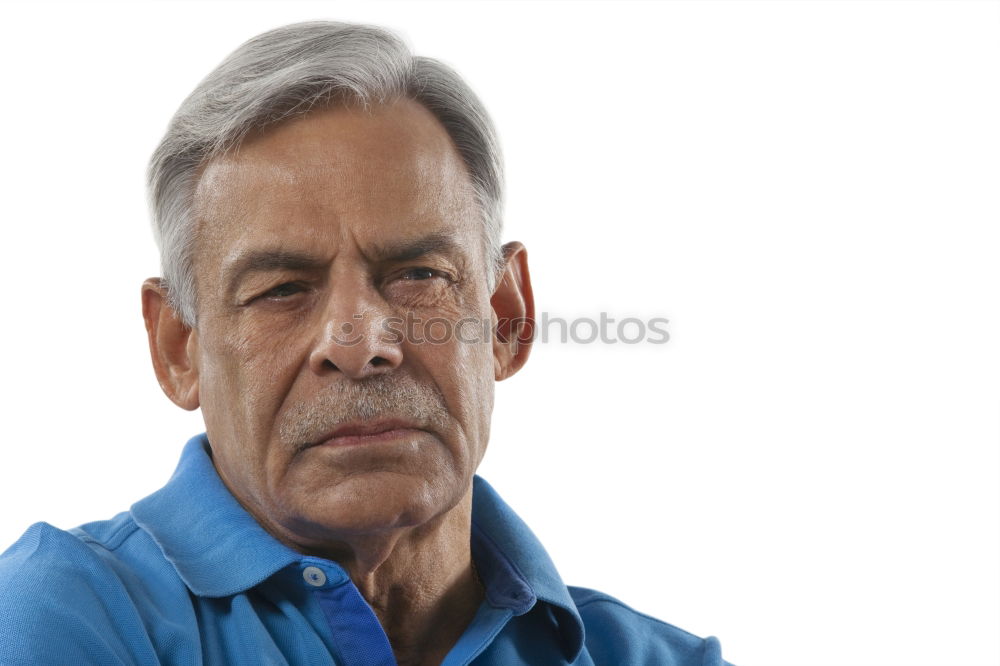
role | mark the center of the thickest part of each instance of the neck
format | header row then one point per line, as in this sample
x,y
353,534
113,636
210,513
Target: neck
x,y
420,581
422,585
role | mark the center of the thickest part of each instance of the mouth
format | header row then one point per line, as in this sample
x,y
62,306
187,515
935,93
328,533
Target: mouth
x,y
368,432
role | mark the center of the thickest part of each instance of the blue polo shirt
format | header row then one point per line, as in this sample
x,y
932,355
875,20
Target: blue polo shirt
x,y
188,577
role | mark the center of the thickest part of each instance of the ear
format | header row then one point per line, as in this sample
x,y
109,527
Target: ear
x,y
514,307
172,346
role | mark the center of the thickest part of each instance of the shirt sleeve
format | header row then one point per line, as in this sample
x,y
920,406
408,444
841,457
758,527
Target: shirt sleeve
x,y
618,634
61,603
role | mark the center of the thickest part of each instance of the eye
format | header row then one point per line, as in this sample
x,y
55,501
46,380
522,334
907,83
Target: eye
x,y
283,290
421,273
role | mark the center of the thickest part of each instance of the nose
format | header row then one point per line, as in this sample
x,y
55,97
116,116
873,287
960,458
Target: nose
x,y
353,339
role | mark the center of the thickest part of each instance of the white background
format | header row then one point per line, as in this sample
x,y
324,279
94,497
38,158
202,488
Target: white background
x,y
807,190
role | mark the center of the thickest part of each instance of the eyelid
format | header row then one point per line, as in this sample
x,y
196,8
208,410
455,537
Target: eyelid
x,y
437,272
300,286
267,293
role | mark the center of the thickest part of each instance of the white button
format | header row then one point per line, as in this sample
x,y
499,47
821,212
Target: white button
x,y
314,576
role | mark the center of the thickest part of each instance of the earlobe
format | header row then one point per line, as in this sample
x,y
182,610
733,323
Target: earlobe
x,y
514,309
172,346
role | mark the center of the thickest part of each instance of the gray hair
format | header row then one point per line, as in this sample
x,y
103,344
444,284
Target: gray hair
x,y
284,73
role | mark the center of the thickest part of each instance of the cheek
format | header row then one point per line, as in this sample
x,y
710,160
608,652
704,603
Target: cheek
x,y
479,382
465,373
242,378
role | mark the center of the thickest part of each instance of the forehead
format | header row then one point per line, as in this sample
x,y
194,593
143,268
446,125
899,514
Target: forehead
x,y
341,173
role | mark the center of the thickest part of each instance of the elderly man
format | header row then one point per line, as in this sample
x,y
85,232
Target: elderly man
x,y
336,300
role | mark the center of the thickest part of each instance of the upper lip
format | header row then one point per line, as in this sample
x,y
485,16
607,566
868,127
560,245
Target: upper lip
x,y
367,428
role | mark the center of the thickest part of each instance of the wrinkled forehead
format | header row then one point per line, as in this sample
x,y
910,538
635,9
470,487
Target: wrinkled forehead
x,y
378,174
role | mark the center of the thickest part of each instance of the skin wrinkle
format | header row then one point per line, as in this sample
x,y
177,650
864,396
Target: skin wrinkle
x,y
271,380
437,197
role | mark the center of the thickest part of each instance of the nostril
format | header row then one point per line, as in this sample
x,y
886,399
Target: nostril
x,y
378,360
328,364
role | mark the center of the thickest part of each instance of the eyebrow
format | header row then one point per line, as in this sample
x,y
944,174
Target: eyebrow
x,y
438,242
264,261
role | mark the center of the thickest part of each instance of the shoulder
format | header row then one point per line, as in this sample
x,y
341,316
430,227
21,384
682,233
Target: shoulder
x,y
63,593
617,633
48,561
63,562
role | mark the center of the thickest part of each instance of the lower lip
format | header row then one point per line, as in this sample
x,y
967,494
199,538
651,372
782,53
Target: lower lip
x,y
374,438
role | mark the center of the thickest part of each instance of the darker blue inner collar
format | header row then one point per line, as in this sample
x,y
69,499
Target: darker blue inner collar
x,y
506,586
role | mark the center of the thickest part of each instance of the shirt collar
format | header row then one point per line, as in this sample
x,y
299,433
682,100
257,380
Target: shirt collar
x,y
219,549
497,530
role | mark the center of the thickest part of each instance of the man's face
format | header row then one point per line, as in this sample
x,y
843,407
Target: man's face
x,y
312,237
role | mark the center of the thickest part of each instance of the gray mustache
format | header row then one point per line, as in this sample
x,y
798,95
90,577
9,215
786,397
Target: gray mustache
x,y
378,397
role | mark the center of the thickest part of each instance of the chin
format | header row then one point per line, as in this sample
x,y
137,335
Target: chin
x,y
377,501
